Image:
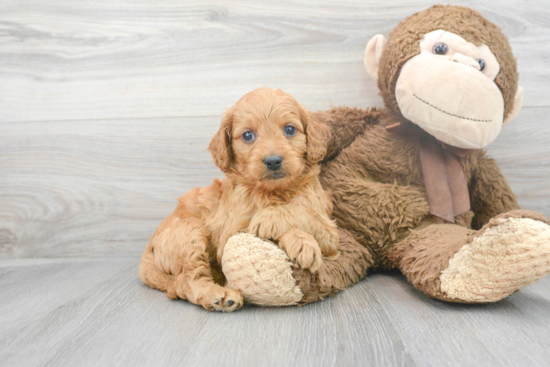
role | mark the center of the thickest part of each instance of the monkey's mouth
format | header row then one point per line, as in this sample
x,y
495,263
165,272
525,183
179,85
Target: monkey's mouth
x,y
448,113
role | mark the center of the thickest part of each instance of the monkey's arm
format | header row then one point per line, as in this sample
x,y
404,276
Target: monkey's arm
x,y
345,123
490,194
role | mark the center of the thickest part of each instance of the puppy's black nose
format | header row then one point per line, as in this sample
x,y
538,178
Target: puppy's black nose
x,y
273,162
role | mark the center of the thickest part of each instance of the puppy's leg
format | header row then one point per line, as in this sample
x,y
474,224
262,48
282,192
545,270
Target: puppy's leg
x,y
326,234
195,282
177,262
150,274
291,227
302,248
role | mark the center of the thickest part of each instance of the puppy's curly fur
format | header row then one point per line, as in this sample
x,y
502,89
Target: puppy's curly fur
x,y
282,202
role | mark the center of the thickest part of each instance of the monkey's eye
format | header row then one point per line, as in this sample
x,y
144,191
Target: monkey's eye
x,y
440,48
248,136
290,130
481,64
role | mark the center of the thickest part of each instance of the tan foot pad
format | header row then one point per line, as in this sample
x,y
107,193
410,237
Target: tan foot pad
x,y
506,257
260,270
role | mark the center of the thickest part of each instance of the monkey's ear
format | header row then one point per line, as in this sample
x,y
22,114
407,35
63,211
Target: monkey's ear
x,y
518,99
318,135
373,53
220,145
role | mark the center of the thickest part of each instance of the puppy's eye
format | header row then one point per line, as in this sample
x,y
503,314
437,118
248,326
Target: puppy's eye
x,y
248,136
289,130
440,48
481,64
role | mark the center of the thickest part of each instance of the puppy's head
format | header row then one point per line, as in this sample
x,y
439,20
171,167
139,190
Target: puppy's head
x,y
269,139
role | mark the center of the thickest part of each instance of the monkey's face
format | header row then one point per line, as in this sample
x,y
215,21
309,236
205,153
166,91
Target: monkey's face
x,y
449,91
452,88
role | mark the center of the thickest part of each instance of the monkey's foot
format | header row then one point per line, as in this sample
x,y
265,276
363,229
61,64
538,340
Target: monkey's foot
x,y
511,251
260,270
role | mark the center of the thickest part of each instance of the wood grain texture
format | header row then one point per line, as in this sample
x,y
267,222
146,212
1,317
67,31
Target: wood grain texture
x,y
81,188
106,108
96,312
69,60
461,334
77,188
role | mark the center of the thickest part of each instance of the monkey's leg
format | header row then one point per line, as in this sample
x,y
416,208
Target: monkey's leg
x,y
348,267
453,263
266,276
177,262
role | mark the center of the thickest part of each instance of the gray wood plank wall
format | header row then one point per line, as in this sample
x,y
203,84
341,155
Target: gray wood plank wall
x,y
107,107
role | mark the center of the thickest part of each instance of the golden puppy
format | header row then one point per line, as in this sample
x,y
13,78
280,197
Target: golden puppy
x,y
269,148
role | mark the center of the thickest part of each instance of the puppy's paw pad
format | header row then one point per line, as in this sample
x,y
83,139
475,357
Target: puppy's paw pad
x,y
223,300
233,300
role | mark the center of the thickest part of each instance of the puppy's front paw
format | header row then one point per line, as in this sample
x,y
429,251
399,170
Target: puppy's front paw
x,y
221,299
302,248
269,224
329,245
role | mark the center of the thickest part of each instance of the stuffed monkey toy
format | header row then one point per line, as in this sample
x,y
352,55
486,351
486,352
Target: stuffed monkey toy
x,y
411,180
412,187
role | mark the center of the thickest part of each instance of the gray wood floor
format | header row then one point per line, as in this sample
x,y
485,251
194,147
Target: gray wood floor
x,y
106,110
95,312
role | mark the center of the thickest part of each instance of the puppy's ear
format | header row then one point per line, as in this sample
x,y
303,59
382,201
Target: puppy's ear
x,y
318,135
220,145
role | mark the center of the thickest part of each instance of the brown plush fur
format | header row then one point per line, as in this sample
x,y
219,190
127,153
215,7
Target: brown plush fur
x,y
287,206
403,44
378,189
375,177
336,274
379,197
424,254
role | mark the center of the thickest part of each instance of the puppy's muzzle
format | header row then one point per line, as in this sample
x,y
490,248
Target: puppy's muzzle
x,y
273,162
